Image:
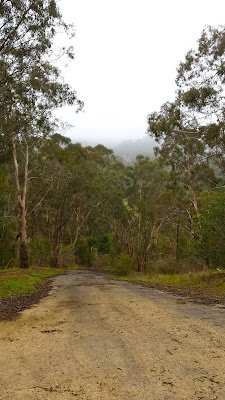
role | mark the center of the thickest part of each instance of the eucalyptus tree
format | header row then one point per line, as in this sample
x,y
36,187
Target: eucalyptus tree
x,y
185,155
31,86
147,208
191,129
72,203
201,92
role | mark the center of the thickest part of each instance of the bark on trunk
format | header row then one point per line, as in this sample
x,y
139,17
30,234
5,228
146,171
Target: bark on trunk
x,y
55,260
55,255
177,242
24,263
21,196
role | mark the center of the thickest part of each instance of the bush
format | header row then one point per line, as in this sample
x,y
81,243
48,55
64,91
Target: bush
x,y
66,256
211,247
106,244
40,252
96,252
171,267
100,261
124,264
83,253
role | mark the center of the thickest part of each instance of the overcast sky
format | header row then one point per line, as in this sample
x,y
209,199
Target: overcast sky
x,y
126,55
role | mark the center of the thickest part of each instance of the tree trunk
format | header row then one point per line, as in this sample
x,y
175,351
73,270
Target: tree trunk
x,y
56,241
21,196
138,266
145,263
55,259
55,255
140,263
177,242
9,263
23,237
23,256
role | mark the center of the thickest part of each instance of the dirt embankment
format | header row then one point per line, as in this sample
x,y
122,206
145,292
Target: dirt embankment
x,y
94,339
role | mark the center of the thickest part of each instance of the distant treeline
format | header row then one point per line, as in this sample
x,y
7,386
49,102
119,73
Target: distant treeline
x,y
85,206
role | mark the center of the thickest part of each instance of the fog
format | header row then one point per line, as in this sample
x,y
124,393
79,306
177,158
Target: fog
x,y
126,55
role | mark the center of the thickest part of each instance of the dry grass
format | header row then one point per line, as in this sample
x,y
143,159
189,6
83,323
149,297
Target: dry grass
x,y
191,283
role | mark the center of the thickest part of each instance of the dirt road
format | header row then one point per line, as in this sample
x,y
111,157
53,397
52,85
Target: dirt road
x,y
95,339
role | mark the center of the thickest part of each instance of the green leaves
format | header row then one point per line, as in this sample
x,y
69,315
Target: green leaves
x,y
198,98
29,84
200,79
212,221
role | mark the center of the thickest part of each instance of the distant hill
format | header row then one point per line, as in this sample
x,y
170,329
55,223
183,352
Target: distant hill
x,y
129,149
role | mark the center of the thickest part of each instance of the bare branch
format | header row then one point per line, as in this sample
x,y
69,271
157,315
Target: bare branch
x,y
38,204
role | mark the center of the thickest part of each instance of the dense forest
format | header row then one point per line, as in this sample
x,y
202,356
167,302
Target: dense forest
x,y
62,203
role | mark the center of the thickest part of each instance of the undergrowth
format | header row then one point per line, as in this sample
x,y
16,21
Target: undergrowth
x,y
208,280
16,281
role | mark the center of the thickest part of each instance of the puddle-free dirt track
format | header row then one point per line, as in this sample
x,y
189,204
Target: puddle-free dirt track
x,y
96,339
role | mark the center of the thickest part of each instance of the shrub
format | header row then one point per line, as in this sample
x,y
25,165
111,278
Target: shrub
x,y
66,256
124,264
83,253
171,267
40,252
100,261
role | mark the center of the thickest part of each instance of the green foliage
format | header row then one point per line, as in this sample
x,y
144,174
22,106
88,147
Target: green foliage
x,y
31,88
7,225
206,285
14,282
66,256
192,149
100,261
83,253
105,244
23,285
198,98
40,251
124,265
212,222
96,252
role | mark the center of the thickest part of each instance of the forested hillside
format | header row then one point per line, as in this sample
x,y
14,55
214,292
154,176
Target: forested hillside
x,y
63,203
85,206
128,150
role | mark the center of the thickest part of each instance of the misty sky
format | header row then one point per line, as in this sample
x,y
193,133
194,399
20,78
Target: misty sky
x,y
126,55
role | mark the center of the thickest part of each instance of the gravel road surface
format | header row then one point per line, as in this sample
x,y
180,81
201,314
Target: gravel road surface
x,y
96,339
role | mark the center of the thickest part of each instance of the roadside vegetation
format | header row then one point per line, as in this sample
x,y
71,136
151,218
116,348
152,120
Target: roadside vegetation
x,y
207,285
15,281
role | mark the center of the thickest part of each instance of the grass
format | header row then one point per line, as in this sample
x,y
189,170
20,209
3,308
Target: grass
x,y
16,281
211,281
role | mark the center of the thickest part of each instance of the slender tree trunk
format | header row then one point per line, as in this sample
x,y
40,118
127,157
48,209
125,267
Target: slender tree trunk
x,y
55,258
21,197
9,263
139,267
57,238
55,255
195,202
145,263
24,263
177,241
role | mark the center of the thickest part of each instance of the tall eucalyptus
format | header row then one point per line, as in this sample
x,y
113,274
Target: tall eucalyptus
x,y
31,86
